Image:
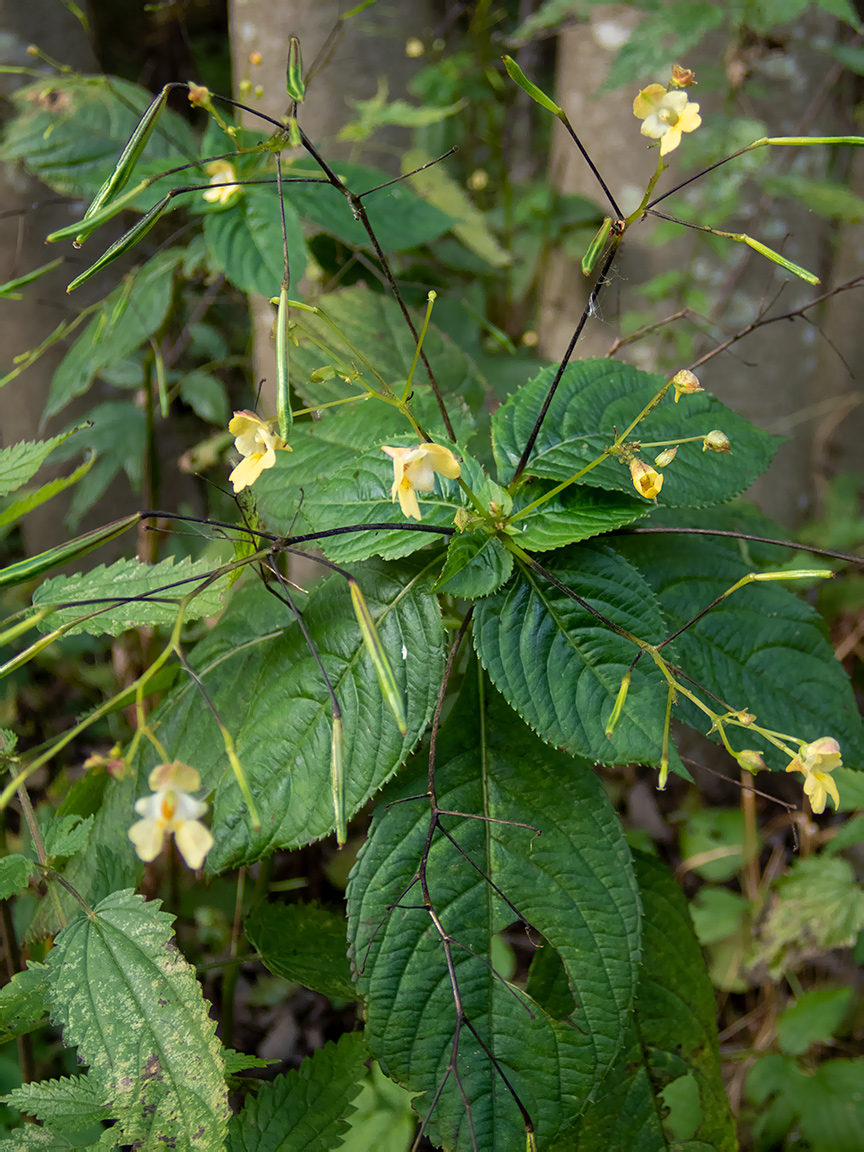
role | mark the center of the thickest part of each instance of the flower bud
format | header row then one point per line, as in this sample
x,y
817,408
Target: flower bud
x,y
751,760
685,382
682,77
666,457
646,480
717,441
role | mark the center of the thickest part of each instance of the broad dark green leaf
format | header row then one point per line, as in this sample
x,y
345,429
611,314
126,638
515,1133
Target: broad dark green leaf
x,y
305,1110
24,1002
763,649
399,217
151,1043
70,132
245,241
596,397
126,318
156,590
477,564
673,1037
306,943
561,668
573,883
260,675
577,513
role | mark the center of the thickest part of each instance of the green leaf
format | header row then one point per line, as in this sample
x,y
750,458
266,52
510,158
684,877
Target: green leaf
x,y
834,201
719,830
22,461
560,667
813,1018
260,675
33,1139
306,943
151,1044
672,1055
36,497
70,1103
24,1002
850,785
573,883
577,513
596,397
822,1103
399,217
383,1120
305,1110
70,131
66,835
245,241
762,649
663,35
15,873
477,564
206,396
126,318
717,913
153,592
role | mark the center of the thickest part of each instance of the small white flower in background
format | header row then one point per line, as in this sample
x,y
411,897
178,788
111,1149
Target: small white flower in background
x,y
169,809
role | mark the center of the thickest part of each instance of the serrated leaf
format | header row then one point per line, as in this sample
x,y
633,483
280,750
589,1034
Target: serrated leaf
x,y
813,1018
596,397
245,241
399,217
125,319
151,1043
15,873
33,1139
241,1061
577,513
159,586
477,563
762,649
35,498
71,1103
305,1110
560,668
258,671
573,883
66,835
306,943
24,1002
22,461
673,1034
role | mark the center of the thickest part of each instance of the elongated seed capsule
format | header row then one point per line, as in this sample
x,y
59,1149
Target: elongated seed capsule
x,y
127,240
337,782
283,388
537,94
107,213
596,247
128,159
294,72
378,656
36,565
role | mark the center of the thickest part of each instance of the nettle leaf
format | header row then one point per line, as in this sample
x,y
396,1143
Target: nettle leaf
x,y
152,1043
15,873
560,667
375,327
70,131
245,241
24,1002
160,586
22,461
477,564
66,835
303,942
260,675
596,397
399,217
672,1041
577,513
126,318
30,1138
305,1110
764,649
573,883
73,1103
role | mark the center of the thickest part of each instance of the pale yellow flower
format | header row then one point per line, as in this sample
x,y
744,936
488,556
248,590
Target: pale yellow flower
x,y
685,382
222,173
646,480
170,809
816,761
665,115
717,441
257,444
414,471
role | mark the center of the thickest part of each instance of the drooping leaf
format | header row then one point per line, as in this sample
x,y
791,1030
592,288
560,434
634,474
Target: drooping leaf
x,y
260,675
305,1110
245,241
596,397
15,873
560,667
152,1043
24,1002
303,942
763,649
125,319
573,883
153,592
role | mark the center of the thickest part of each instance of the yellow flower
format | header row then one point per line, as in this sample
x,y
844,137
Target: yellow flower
x,y
257,444
666,115
646,480
685,382
222,173
170,808
414,471
816,761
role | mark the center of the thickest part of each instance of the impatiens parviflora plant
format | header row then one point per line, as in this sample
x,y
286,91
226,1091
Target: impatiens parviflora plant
x,y
504,611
